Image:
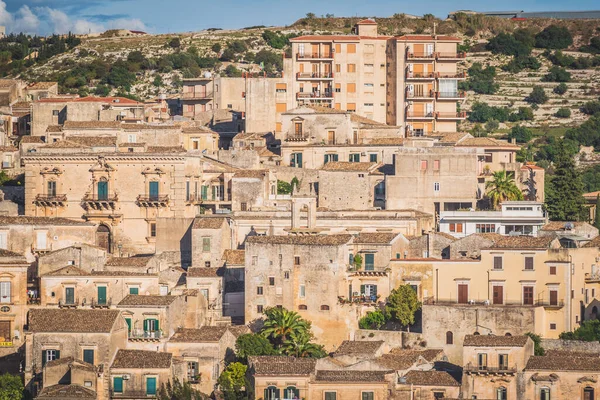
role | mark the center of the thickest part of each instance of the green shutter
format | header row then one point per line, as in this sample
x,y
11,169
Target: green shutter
x,y
44,355
118,384
134,290
325,158
128,320
157,325
145,325
57,352
88,356
204,192
153,190
335,157
369,262
362,290
101,294
150,385
375,291
299,166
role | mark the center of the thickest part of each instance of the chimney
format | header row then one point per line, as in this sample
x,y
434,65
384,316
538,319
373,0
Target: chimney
x,y
513,140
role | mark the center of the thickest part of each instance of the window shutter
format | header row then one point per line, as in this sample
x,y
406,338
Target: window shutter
x,y
145,325
335,157
362,289
44,355
374,290
57,352
157,325
325,159
277,393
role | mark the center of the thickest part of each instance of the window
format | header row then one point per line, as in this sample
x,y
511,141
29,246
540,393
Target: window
x,y
351,48
503,362
272,393
51,189
351,87
338,88
207,264
369,292
338,68
368,104
458,227
553,270
368,396
117,384
354,157
497,262
134,290
330,396
436,165
528,295
330,158
545,393
153,229
296,160
423,165
369,262
286,275
259,290
151,325
485,228
302,291
449,337
369,85
244,206
131,138
5,289
88,356
192,370
296,260
259,309
554,297
87,383
271,281
529,263
291,392
373,157
254,260
436,186
50,355
280,87
205,245
351,68
4,240
338,48
55,113
482,361
150,385
351,107
501,393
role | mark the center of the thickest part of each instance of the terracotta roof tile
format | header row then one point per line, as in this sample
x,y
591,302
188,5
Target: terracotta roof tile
x,y
54,128
66,392
364,120
309,240
205,272
403,359
165,149
31,139
64,144
351,376
560,225
93,141
523,242
388,141
282,365
366,22
92,125
452,137
73,363
208,222
201,335
23,220
375,237
142,359
133,300
495,341
358,347
234,257
7,149
21,104
485,142
64,320
348,166
250,173
41,85
6,83
430,378
563,363
427,37
8,253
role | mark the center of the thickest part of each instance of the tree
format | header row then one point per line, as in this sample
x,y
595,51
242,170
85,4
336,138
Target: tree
x,y
597,214
281,324
481,80
283,187
502,188
233,381
216,48
564,194
231,71
537,96
561,89
237,46
136,57
102,90
252,344
505,43
11,387
557,74
269,60
402,304
589,331
357,261
521,134
554,37
310,15
175,43
227,55
158,82
492,125
299,345
373,320
563,113
538,350
591,107
179,391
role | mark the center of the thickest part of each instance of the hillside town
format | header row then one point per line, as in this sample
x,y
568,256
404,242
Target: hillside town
x,y
330,232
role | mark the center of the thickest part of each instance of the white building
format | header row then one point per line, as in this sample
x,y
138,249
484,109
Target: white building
x,y
514,218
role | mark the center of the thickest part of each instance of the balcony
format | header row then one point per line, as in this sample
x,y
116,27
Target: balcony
x,y
419,115
451,56
326,95
141,335
68,303
131,394
314,76
422,76
57,200
198,96
296,137
453,96
420,56
362,300
452,75
152,201
99,203
315,56
550,304
592,278
485,370
424,95
101,304
451,115
411,132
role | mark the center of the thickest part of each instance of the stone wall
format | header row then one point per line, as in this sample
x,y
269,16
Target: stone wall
x,y
571,345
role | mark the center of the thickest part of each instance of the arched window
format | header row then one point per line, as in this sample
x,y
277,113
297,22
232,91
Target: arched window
x,y
507,334
501,393
291,392
302,307
272,393
476,333
545,393
324,307
449,337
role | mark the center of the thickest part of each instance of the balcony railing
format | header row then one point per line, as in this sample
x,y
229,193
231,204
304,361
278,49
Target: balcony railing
x,y
152,201
427,94
410,131
95,202
66,303
101,304
420,55
488,303
131,394
451,115
305,56
450,55
592,277
450,95
194,95
144,335
296,138
314,95
420,75
454,75
485,370
57,200
314,75
419,114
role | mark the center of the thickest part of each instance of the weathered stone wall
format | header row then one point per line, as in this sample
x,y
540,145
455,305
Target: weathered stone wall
x,y
571,345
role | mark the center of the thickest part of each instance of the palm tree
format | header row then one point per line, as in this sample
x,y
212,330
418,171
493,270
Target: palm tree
x,y
282,323
502,188
299,345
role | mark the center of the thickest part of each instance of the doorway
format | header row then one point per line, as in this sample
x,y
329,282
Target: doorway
x,y
103,237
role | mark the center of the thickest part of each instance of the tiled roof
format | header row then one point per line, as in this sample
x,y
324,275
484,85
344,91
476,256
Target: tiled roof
x,y
452,137
21,104
66,392
54,128
366,22
364,120
133,300
323,109
250,173
6,83
595,242
136,144
144,126
234,257
375,238
69,270
485,142
351,376
560,225
282,365
92,125
309,240
208,222
200,335
563,363
8,253
430,378
358,347
120,273
403,359
41,85
6,149
31,139
23,220
238,330
142,359
64,144
112,100
532,165
340,38
197,129
522,242
348,166
165,149
66,320
136,261
205,272
495,341
93,141
387,141
427,37
73,363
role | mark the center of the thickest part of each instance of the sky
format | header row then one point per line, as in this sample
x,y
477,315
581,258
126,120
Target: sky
x,y
171,16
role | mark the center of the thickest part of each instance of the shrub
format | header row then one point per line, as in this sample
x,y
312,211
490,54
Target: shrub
x,y
492,125
561,89
521,133
373,320
216,48
591,107
175,43
537,96
237,46
482,112
554,37
520,63
481,80
563,113
557,74
505,43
